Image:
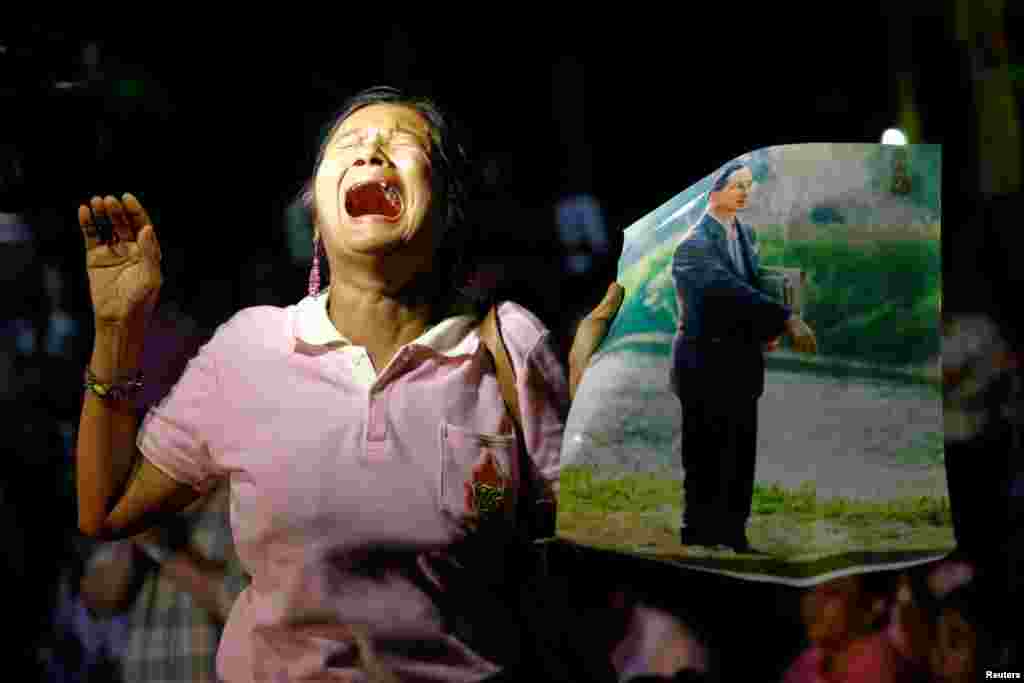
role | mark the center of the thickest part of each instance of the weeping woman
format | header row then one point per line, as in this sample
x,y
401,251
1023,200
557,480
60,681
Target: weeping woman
x,y
367,433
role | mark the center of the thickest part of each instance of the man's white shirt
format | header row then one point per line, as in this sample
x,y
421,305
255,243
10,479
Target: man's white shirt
x,y
732,231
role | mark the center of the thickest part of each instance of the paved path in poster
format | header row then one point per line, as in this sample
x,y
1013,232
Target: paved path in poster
x,y
849,437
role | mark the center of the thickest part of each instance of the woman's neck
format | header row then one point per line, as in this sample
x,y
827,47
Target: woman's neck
x,y
381,322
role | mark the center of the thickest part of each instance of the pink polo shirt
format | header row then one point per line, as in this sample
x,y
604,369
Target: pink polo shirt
x,y
345,481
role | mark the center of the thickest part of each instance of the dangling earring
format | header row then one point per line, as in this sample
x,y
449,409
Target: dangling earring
x,y
314,272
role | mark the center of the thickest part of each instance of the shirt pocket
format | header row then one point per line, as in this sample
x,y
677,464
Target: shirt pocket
x,y
477,473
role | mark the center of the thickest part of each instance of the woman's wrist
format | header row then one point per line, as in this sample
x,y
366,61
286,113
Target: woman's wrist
x,y
117,351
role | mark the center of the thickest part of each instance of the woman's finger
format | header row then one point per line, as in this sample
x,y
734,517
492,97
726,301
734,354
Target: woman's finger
x,y
122,230
99,209
136,213
610,304
100,219
149,245
90,231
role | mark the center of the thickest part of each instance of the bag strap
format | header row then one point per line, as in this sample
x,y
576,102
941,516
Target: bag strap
x,y
537,519
490,332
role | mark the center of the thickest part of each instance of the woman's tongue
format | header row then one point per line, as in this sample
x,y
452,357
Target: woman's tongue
x,y
372,200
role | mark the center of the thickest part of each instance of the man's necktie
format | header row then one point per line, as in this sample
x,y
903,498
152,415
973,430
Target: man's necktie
x,y
734,250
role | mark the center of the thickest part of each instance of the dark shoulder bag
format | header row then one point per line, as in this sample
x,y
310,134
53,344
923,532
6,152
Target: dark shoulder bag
x,y
529,627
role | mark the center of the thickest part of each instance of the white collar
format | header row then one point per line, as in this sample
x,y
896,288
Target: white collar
x,y
313,326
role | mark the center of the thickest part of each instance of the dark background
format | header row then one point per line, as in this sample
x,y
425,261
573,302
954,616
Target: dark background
x,y
214,123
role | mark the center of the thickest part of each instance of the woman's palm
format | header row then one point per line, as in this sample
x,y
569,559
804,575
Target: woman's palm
x,y
124,265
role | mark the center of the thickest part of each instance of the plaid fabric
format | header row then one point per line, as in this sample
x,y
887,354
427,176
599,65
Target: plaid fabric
x,y
172,639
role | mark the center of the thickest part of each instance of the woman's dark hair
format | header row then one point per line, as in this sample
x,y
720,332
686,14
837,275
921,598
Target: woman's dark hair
x,y
451,172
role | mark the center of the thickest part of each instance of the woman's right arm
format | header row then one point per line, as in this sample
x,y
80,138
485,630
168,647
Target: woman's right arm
x,y
120,493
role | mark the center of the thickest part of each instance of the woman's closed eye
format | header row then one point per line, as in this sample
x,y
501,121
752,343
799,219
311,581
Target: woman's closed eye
x,y
406,140
349,143
398,139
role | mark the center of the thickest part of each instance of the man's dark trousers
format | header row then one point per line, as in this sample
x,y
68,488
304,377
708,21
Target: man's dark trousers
x,y
719,449
719,439
718,375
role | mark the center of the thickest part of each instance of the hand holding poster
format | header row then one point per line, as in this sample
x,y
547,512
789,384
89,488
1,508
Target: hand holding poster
x,y
696,437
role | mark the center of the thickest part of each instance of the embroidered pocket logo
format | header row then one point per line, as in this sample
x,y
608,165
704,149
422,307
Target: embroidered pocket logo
x,y
486,492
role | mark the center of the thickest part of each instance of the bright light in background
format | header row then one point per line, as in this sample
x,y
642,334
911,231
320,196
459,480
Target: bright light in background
x,y
894,136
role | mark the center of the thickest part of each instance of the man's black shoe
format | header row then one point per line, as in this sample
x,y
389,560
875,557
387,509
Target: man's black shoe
x,y
742,545
690,536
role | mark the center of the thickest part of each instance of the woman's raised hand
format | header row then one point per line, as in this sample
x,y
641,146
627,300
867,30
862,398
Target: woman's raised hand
x,y
122,259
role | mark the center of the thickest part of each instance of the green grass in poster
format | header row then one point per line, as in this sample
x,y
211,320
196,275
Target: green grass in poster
x,y
642,512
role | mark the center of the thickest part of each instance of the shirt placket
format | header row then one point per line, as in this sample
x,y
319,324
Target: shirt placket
x,y
376,424
377,408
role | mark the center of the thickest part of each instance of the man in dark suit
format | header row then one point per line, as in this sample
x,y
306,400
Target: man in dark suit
x,y
725,323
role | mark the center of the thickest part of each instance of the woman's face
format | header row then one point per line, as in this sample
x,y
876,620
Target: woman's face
x,y
373,190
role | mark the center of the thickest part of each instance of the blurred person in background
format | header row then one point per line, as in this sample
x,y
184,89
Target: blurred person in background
x,y
837,613
963,638
90,624
929,623
984,458
175,590
940,628
656,642
899,648
309,414
174,586
978,380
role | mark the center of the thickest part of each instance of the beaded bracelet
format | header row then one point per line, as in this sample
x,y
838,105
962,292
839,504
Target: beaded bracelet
x,y
123,387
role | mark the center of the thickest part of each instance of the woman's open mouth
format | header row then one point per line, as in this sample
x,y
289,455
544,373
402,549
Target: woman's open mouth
x,y
375,199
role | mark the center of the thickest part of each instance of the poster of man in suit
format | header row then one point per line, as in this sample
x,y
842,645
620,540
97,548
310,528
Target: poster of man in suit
x,y
768,400
725,323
